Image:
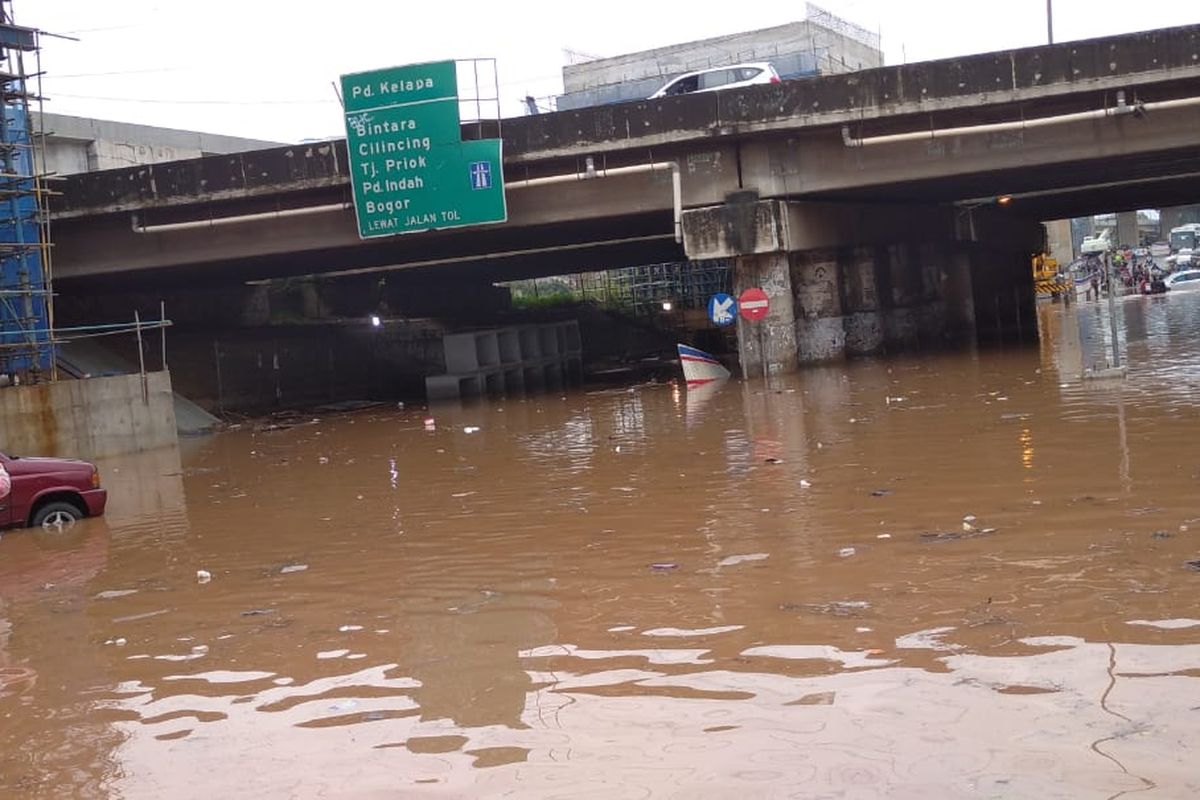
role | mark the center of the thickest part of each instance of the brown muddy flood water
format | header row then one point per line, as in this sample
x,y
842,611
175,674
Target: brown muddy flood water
x,y
645,593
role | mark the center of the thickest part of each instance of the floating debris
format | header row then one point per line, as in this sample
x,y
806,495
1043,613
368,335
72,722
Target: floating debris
x,y
327,654
730,561
950,536
838,608
110,594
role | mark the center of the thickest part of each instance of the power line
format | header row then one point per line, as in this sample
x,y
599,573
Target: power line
x,y
322,102
58,76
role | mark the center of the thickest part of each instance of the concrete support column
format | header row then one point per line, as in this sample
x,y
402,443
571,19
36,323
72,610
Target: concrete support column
x,y
820,329
931,315
1058,241
900,324
1025,297
1127,228
861,301
772,340
1169,218
988,277
958,295
1005,301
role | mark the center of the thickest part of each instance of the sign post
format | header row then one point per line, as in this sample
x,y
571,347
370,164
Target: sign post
x,y
753,304
410,169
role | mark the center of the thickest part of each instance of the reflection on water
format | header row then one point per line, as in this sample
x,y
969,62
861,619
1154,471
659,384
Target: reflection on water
x,y
950,576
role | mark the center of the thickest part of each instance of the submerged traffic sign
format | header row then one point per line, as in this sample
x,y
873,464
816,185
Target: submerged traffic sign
x,y
753,304
722,309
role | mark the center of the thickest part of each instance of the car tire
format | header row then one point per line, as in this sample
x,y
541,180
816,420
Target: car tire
x,y
57,516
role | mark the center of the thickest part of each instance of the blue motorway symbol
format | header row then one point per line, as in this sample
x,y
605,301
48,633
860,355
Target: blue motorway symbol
x,y
722,309
481,175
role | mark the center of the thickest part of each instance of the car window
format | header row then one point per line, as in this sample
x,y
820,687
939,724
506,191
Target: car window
x,y
748,73
683,85
1184,277
718,77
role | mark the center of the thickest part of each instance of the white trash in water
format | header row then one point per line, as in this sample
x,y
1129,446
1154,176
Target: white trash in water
x,y
203,576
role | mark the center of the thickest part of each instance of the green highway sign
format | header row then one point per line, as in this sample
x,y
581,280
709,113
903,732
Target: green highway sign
x,y
452,186
410,169
414,83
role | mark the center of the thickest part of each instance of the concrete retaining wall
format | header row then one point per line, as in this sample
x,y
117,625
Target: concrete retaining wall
x,y
90,419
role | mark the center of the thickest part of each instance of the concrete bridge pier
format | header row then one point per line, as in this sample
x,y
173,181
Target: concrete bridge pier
x,y
1127,229
905,291
819,318
847,280
774,338
1005,304
864,319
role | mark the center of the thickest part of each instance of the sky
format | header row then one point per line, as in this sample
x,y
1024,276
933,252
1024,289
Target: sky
x,y
266,69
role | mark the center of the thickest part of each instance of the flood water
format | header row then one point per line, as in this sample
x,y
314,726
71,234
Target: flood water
x,y
945,576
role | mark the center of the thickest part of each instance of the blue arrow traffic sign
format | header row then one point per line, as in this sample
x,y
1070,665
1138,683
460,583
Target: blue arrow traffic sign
x,y
722,309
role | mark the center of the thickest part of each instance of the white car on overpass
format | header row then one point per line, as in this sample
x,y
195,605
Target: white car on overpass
x,y
734,76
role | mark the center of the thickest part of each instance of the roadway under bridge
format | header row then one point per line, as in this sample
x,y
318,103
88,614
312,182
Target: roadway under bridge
x,y
865,202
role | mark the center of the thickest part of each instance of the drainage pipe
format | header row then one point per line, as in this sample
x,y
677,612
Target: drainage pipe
x,y
1121,109
591,173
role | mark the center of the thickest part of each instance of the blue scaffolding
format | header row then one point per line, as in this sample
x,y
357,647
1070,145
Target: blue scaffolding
x,y
26,316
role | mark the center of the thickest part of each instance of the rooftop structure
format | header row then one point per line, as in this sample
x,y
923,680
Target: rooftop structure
x,y
821,44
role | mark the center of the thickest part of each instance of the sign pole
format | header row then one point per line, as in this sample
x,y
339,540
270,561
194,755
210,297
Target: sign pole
x,y
762,348
1112,311
754,305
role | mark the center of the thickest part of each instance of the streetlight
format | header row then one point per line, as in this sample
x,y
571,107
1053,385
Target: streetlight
x,y
1050,21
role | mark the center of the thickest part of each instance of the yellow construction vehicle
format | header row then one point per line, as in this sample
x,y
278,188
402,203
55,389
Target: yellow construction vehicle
x,y
1046,277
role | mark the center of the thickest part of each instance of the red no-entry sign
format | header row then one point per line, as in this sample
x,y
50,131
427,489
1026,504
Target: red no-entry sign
x,y
753,304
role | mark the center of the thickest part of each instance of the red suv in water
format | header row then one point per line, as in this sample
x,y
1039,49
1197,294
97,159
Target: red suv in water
x,y
50,492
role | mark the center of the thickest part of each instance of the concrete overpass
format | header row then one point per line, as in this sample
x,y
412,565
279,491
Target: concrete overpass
x,y
880,181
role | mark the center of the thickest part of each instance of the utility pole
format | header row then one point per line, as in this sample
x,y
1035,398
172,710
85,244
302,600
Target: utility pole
x,y
1050,21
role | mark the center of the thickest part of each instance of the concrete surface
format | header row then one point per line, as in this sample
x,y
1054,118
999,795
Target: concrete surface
x,y
87,358
88,419
82,144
